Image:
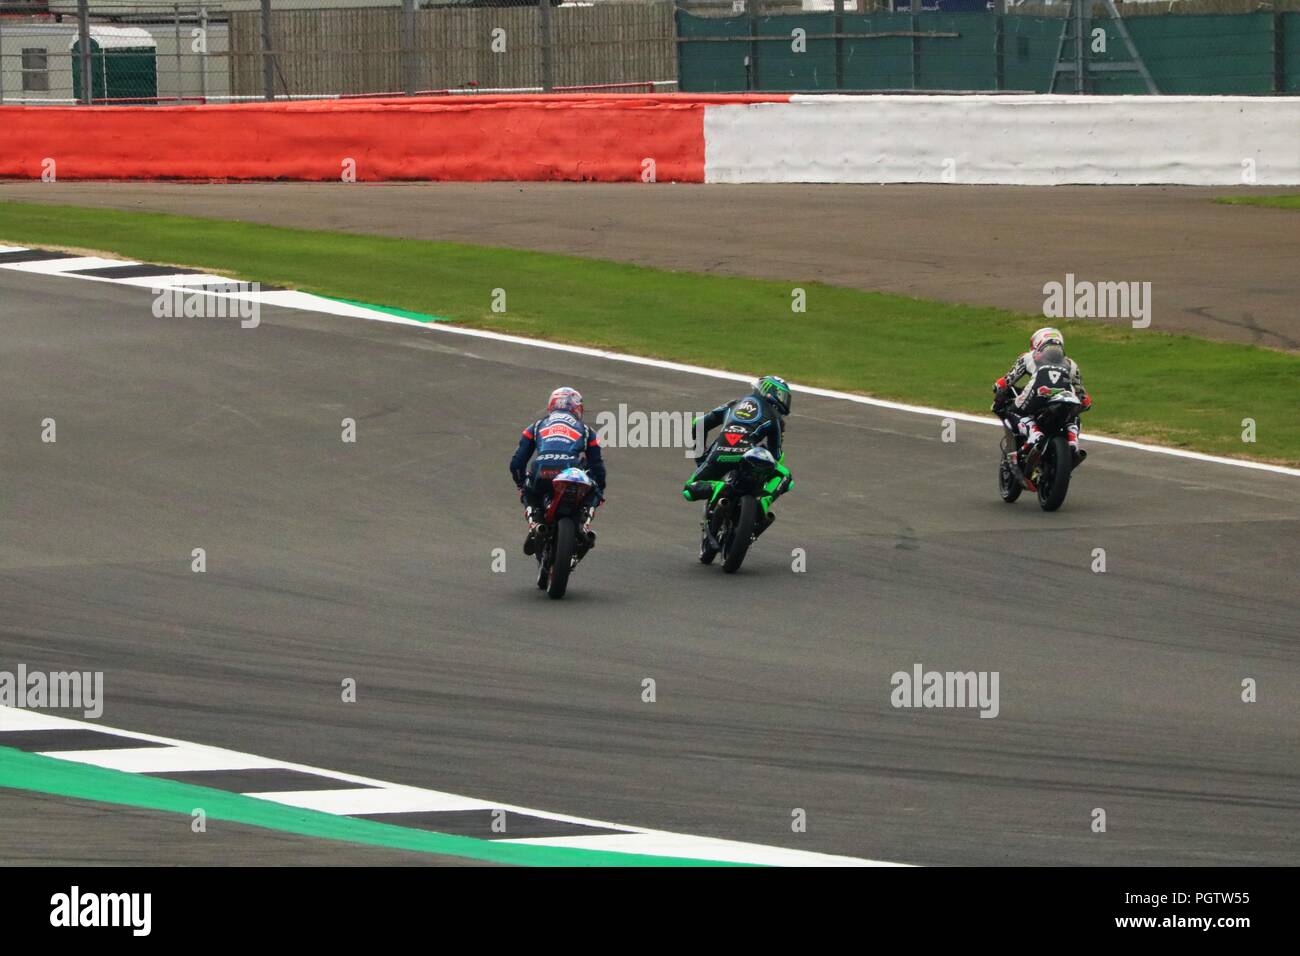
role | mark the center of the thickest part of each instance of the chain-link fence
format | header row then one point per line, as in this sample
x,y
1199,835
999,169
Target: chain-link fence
x,y
119,53
192,51
152,52
1038,46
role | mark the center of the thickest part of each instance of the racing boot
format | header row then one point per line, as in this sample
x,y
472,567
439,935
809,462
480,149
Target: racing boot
x,y
697,491
1077,454
1033,436
530,542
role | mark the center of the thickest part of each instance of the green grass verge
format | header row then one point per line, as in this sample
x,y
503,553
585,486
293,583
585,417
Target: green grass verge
x,y
1175,390
1274,202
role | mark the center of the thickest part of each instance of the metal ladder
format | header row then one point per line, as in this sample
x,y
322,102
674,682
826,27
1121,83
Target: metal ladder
x,y
1075,36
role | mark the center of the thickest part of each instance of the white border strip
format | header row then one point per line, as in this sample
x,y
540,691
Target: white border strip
x,y
1009,139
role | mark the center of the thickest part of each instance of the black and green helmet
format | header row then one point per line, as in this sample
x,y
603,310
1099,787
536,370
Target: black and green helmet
x,y
775,390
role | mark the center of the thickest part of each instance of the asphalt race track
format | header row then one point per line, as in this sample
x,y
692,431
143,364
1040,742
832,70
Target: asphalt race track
x,y
373,561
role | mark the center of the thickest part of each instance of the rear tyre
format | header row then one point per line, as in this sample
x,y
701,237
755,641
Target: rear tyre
x,y
562,559
742,532
1055,480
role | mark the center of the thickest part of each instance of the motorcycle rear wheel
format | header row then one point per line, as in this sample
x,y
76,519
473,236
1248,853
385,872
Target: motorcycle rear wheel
x,y
736,546
561,558
1055,480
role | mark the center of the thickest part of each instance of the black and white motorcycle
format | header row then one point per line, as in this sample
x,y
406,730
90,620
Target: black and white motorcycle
x,y
1046,468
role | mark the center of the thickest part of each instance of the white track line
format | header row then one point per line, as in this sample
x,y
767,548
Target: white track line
x,y
831,393
392,799
178,281
312,303
55,267
653,843
166,759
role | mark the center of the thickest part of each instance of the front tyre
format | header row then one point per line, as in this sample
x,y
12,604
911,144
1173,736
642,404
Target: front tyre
x,y
1055,479
713,520
736,546
1009,486
566,533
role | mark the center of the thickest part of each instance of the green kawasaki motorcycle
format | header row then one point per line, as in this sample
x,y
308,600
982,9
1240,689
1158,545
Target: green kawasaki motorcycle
x,y
738,508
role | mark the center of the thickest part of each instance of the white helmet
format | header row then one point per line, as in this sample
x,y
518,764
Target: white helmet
x,y
1045,337
565,399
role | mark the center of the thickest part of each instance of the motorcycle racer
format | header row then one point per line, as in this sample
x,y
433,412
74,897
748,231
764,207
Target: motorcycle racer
x,y
1046,351
561,440
757,418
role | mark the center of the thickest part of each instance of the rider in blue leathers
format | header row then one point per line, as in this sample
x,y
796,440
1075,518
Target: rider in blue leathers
x,y
560,440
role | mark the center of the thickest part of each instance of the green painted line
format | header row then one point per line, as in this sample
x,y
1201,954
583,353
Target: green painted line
x,y
387,310
41,774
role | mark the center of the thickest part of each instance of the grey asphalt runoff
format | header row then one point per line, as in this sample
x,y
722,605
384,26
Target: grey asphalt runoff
x,y
1219,271
373,561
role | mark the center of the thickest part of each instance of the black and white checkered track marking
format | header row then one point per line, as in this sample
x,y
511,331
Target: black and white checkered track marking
x,y
147,276
344,794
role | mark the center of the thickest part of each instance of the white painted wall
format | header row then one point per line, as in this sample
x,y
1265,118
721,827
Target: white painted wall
x,y
1009,140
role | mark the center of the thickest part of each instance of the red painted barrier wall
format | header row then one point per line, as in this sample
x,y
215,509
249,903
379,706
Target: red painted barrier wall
x,y
557,137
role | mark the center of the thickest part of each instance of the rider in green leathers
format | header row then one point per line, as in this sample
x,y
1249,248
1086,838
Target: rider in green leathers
x,y
756,419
